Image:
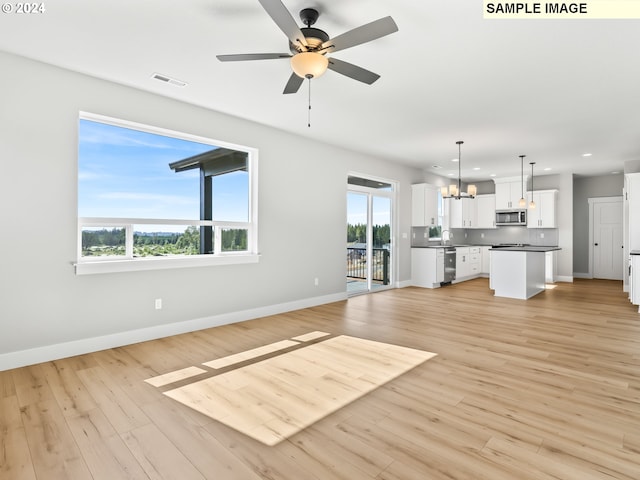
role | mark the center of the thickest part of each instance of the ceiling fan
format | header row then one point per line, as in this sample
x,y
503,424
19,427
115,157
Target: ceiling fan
x,y
309,46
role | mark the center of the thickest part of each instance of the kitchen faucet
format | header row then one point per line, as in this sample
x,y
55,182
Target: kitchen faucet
x,y
446,238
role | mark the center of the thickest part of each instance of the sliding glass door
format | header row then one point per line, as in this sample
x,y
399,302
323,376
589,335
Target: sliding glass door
x,y
369,238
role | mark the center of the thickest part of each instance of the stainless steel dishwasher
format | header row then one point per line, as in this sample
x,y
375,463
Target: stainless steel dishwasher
x,y
449,265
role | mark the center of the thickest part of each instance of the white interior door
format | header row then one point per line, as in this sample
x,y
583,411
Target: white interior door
x,y
607,239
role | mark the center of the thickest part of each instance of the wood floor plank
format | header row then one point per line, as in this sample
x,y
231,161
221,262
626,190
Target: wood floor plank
x,y
105,453
250,354
15,457
543,389
307,337
176,375
54,452
277,398
72,395
122,411
158,456
7,387
207,454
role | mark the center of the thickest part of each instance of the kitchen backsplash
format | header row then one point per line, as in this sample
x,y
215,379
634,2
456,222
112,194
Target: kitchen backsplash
x,y
515,234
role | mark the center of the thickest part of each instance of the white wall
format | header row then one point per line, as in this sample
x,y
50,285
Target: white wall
x,y
47,311
564,184
585,188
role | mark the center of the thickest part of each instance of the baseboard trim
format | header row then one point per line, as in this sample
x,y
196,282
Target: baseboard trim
x,y
48,353
582,275
564,278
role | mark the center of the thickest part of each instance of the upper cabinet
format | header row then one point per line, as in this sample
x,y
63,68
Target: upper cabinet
x,y
508,192
459,213
485,211
424,205
544,213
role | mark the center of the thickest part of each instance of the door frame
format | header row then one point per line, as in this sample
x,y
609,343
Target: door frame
x,y
393,196
592,201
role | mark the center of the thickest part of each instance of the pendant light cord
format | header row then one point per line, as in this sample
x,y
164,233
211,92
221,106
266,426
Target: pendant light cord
x,y
459,142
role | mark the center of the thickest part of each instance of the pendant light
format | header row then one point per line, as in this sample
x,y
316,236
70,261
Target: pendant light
x,y
532,204
523,201
455,191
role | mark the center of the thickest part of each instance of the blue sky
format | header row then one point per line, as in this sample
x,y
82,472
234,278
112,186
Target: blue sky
x,y
125,173
357,209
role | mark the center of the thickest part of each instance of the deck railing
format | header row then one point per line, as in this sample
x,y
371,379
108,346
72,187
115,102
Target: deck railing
x,y
357,264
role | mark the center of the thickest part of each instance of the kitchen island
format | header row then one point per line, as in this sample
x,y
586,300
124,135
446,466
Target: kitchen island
x,y
518,272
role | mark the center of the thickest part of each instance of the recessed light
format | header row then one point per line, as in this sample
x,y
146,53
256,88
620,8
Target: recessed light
x,y
476,168
492,175
587,154
455,159
169,80
614,173
450,174
547,169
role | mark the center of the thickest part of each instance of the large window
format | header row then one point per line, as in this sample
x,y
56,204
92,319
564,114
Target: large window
x,y
152,198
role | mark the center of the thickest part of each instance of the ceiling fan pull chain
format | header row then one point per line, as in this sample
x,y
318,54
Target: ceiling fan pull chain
x,y
309,112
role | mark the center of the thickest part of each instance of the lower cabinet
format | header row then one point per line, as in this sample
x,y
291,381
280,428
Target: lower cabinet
x,y
485,268
634,280
468,262
427,267
550,267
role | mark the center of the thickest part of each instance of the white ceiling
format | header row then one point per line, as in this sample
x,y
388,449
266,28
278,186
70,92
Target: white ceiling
x,y
550,89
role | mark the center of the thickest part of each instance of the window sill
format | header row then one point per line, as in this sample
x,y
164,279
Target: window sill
x,y
164,263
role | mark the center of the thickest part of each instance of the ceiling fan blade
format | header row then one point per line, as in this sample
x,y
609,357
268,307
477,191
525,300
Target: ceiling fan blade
x,y
293,85
279,13
240,57
352,71
365,33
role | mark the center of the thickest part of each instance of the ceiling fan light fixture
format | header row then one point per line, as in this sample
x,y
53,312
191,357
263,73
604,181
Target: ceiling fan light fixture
x,y
309,64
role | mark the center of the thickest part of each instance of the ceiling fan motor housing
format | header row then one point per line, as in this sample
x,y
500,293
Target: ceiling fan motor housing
x,y
315,38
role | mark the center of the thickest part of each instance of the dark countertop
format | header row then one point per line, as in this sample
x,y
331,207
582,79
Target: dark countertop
x,y
529,248
634,252
454,245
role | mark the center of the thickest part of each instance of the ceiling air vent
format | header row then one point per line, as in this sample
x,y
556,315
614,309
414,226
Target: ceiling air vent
x,y
169,80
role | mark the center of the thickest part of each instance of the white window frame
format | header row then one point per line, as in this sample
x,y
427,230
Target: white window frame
x,y
127,262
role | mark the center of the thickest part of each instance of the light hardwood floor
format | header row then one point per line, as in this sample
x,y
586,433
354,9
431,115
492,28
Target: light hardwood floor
x,y
542,389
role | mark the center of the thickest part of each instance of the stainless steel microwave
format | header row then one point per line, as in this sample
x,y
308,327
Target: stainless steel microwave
x,y
511,217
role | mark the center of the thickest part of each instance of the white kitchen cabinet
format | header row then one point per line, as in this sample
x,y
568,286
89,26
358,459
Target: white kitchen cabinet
x,y
460,213
468,263
544,214
424,205
485,267
427,267
551,267
508,192
485,211
634,278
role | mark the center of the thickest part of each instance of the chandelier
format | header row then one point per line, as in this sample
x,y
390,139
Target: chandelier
x,y
455,190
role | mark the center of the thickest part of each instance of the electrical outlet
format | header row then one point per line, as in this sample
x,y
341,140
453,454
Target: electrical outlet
x,y
316,281
158,304
542,235
482,235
